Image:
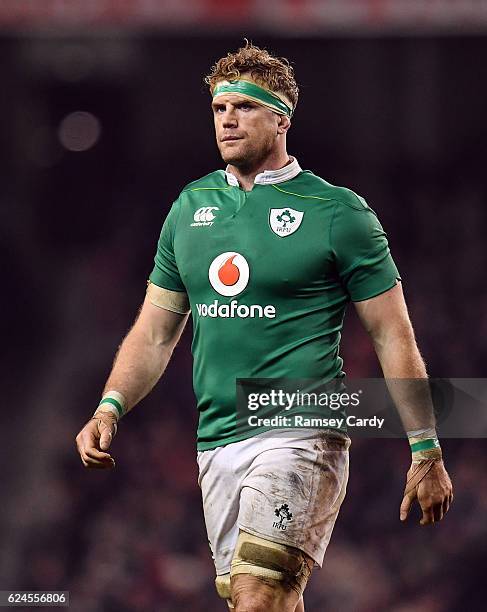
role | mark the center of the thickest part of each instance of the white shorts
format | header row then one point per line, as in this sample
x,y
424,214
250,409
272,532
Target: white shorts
x,y
284,489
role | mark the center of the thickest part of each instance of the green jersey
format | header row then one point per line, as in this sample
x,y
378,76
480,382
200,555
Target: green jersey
x,y
268,274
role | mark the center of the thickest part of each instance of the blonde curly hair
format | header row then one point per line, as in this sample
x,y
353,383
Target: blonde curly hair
x,y
273,73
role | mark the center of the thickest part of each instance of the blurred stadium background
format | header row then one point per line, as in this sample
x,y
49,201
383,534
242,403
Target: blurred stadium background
x,y
104,118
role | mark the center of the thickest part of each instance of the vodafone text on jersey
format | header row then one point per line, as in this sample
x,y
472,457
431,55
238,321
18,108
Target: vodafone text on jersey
x,y
229,274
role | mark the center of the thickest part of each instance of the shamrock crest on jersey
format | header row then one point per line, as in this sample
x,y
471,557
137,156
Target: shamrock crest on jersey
x,y
284,221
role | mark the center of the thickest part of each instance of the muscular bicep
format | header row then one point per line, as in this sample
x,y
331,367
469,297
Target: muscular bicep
x,y
158,324
385,314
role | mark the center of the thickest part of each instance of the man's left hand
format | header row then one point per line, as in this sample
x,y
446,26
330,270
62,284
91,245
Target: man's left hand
x,y
434,493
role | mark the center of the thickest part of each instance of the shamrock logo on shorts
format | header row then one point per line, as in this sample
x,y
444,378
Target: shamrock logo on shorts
x,y
284,515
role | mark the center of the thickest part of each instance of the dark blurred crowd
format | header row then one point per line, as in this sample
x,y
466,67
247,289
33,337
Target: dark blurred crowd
x,y
133,539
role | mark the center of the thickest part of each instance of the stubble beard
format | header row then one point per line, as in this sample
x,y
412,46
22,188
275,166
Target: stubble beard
x,y
250,157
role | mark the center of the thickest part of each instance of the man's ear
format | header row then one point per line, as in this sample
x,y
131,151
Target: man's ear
x,y
283,124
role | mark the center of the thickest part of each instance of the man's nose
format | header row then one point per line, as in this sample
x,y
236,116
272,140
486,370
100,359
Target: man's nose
x,y
229,118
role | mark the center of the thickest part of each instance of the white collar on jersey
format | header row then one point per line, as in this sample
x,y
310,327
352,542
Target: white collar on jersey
x,y
270,177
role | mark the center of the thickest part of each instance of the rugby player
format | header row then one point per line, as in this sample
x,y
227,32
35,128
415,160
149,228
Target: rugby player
x,y
266,257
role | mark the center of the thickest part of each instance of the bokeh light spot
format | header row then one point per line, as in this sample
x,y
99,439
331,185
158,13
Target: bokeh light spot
x,y
79,131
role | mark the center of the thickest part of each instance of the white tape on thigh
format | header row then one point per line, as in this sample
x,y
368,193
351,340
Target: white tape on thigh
x,y
266,559
223,589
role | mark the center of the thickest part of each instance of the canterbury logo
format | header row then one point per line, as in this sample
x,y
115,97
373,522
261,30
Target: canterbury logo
x,y
204,216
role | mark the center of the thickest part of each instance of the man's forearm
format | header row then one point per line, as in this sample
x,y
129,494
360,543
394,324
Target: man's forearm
x,y
138,365
406,377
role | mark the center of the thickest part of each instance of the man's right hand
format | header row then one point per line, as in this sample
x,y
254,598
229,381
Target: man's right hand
x,y
94,440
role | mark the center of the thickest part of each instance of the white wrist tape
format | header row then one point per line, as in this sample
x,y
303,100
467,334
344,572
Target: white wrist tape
x,y
424,445
113,401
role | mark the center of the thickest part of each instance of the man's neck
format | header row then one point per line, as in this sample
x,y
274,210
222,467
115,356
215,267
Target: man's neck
x,y
246,176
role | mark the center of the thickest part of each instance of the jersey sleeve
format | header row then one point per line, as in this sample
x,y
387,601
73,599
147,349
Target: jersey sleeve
x,y
165,272
361,251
